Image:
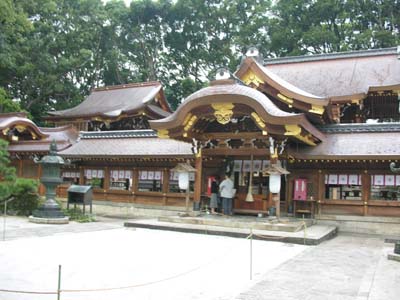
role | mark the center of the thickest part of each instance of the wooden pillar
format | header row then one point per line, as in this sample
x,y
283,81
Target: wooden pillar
x,y
81,175
20,166
165,186
106,182
277,200
320,191
366,188
135,183
199,177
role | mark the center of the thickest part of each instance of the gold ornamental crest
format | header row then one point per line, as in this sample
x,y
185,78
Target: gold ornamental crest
x,y
223,112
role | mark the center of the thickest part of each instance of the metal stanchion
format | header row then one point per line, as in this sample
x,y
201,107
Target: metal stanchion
x,y
251,254
59,283
5,216
305,232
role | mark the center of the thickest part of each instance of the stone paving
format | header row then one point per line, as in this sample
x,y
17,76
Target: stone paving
x,y
349,267
18,227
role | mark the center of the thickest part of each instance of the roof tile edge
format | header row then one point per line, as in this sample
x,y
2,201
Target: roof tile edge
x,y
332,56
114,134
126,86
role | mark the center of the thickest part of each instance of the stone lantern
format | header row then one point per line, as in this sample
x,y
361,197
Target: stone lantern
x,y
183,169
275,171
50,212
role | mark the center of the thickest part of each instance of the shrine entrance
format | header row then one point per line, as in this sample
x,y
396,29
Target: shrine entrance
x,y
237,129
248,177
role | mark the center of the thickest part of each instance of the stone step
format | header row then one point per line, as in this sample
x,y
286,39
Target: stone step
x,y
286,224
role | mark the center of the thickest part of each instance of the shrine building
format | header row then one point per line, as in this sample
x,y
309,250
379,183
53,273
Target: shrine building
x,y
330,121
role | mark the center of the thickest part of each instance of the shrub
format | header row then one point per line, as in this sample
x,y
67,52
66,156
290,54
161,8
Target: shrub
x,y
26,197
76,214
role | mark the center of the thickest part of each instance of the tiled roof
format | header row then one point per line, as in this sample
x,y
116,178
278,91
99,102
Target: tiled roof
x,y
127,144
117,134
356,145
111,102
363,127
340,74
335,55
64,136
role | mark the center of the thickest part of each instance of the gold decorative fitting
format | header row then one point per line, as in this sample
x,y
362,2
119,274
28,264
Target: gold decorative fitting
x,y
198,154
190,123
316,109
223,112
187,118
163,133
251,78
20,128
260,122
295,131
285,99
6,130
292,130
264,132
275,155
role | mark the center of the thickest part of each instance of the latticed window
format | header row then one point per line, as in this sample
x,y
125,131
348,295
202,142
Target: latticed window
x,y
310,190
382,106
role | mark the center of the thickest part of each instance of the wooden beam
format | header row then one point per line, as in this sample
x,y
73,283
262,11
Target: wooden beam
x,y
198,177
236,152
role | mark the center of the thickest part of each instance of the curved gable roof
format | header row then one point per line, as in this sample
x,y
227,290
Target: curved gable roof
x,y
111,102
230,92
340,74
19,120
41,137
265,75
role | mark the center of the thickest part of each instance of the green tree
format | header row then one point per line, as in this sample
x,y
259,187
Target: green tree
x,y
323,26
6,104
7,173
26,197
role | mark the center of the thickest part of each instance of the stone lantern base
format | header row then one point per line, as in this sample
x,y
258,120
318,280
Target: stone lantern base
x,y
49,213
64,220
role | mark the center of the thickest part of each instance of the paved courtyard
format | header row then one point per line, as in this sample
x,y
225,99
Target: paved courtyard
x,y
151,264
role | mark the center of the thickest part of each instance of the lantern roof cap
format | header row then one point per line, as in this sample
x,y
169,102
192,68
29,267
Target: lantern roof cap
x,y
275,169
183,167
52,158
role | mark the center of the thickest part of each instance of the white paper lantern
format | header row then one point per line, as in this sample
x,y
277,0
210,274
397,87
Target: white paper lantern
x,y
274,183
183,180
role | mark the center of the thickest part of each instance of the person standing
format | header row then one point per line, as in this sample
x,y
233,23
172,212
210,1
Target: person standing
x,y
214,195
227,193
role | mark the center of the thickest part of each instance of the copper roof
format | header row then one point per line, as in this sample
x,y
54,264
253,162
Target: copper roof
x,y
280,83
113,101
340,74
126,144
362,145
230,92
64,136
10,120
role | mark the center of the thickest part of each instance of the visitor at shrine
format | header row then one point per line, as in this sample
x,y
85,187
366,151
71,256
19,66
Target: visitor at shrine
x,y
214,195
227,192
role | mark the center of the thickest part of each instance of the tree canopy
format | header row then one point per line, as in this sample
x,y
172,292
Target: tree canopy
x,y
7,173
53,52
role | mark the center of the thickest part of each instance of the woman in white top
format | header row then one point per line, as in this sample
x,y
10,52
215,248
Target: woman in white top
x,y
227,192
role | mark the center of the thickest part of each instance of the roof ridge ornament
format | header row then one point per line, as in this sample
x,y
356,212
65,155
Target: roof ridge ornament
x,y
254,53
222,74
